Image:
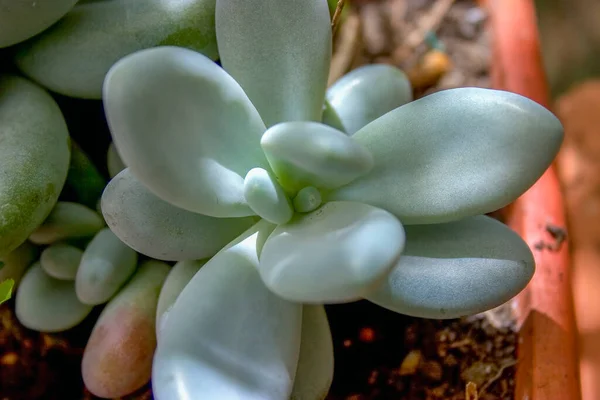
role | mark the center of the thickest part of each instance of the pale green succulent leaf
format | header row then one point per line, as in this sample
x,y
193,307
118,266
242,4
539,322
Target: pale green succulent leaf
x,y
243,346
21,20
61,261
68,220
179,276
365,94
160,230
34,158
313,154
185,129
266,197
279,51
315,365
335,254
73,56
106,264
453,154
47,304
456,269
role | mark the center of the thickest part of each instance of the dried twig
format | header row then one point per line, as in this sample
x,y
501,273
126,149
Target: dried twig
x,y
337,15
497,376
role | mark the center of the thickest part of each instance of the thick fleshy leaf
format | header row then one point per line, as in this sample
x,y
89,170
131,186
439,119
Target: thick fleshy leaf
x,y
453,154
266,197
160,230
227,336
315,366
367,93
331,118
106,264
74,55
34,158
61,261
178,278
46,304
118,355
456,269
279,51
113,161
67,220
21,20
335,254
14,265
312,154
185,129
84,179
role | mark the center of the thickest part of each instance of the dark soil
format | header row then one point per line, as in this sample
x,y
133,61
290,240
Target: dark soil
x,y
379,354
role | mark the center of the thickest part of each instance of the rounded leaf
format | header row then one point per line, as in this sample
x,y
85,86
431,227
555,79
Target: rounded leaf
x,y
456,269
185,129
74,55
178,278
367,93
34,159
315,365
47,304
105,266
160,230
279,52
312,154
61,261
118,356
227,336
453,154
335,254
22,19
266,198
67,220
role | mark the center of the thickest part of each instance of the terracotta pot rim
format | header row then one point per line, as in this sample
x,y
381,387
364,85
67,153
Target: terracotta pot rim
x,y
547,353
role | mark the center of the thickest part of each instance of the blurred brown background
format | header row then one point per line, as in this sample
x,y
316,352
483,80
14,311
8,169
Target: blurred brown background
x,y
570,34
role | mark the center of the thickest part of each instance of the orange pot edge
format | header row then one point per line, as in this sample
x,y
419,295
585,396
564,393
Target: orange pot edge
x,y
548,362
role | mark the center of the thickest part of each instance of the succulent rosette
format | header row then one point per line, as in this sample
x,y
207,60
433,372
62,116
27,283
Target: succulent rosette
x,y
383,202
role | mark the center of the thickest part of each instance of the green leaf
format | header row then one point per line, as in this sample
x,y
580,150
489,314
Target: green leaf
x,y
185,129
73,56
456,269
313,154
227,336
21,20
6,290
279,52
365,94
34,158
160,230
335,254
454,154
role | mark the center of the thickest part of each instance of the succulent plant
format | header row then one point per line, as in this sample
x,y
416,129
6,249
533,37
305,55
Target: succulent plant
x,y
386,204
73,56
